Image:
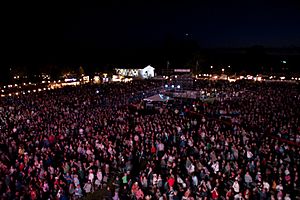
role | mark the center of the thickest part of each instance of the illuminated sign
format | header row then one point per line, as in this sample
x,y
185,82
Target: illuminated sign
x,y
182,70
70,79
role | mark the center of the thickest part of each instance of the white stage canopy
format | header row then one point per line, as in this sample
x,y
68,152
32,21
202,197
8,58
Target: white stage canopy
x,y
158,98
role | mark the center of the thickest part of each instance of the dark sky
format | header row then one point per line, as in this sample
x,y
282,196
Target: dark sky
x,y
48,27
210,23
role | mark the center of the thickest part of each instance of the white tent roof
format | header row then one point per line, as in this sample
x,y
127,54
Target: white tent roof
x,y
149,67
158,98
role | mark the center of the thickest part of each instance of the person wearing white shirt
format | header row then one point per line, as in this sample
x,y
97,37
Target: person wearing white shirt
x,y
99,175
266,186
191,169
179,180
195,180
249,154
279,187
215,166
91,176
287,197
76,180
238,197
236,186
248,179
161,147
78,191
88,187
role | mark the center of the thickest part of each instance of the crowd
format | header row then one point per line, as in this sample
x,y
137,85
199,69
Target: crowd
x,y
67,143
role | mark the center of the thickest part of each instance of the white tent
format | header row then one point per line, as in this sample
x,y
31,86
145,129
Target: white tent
x,y
147,72
158,98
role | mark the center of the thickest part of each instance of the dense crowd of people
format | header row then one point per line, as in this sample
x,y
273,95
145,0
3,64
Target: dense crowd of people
x,y
70,142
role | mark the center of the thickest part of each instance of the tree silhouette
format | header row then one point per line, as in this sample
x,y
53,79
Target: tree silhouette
x,y
196,62
80,71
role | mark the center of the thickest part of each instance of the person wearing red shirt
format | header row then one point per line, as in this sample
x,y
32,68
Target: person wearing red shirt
x,y
171,181
22,166
134,188
153,149
33,194
229,194
215,194
247,194
51,139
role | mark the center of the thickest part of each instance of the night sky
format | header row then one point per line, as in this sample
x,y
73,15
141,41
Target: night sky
x,y
53,28
210,23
